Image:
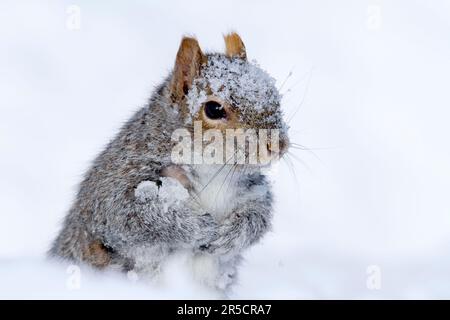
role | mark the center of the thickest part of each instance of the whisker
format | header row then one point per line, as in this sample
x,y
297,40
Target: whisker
x,y
230,181
286,79
303,98
301,148
223,182
307,148
304,76
302,162
231,178
218,172
292,170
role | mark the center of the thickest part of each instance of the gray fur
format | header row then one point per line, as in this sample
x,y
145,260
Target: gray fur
x,y
139,235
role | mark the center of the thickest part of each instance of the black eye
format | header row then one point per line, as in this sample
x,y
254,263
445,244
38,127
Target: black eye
x,y
214,110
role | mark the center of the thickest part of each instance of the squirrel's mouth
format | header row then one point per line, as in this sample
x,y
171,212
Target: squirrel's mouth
x,y
280,150
232,146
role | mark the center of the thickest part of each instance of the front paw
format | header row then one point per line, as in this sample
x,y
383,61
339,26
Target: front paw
x,y
214,249
208,231
146,191
168,191
221,246
230,239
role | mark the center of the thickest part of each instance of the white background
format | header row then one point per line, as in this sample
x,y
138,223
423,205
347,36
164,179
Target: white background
x,y
372,78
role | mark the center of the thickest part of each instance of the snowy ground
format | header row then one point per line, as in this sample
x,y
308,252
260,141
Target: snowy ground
x,y
367,216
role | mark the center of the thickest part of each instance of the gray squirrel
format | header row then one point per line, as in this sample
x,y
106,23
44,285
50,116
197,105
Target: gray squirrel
x,y
135,207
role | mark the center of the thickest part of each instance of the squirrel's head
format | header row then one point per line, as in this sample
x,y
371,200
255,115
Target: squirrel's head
x,y
226,91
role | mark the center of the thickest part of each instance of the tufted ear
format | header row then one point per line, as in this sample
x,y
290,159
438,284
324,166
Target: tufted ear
x,y
187,66
234,46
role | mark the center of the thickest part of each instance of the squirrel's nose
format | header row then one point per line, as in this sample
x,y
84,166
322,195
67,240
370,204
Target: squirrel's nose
x,y
279,149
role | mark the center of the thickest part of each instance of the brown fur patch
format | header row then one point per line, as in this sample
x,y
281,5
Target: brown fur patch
x,y
187,67
97,254
234,46
177,173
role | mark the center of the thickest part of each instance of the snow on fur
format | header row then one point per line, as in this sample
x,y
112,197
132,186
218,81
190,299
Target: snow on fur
x,y
242,84
170,192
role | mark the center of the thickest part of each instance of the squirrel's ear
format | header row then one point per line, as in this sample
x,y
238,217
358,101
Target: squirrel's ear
x,y
187,66
234,46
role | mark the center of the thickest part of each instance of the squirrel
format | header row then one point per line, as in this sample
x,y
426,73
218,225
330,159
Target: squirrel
x,y
135,207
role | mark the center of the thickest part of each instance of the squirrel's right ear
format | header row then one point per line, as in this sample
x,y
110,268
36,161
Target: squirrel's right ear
x,y
187,66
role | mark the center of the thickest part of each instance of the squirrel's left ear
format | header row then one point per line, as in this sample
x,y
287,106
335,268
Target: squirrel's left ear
x,y
234,47
187,67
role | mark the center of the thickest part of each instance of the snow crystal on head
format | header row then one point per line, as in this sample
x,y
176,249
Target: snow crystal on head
x,y
240,83
195,98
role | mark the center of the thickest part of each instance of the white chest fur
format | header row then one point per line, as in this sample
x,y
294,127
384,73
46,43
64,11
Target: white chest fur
x,y
217,188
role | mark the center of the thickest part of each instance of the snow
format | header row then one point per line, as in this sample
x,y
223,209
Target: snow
x,y
195,98
242,84
170,193
172,190
238,82
373,196
146,190
40,279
